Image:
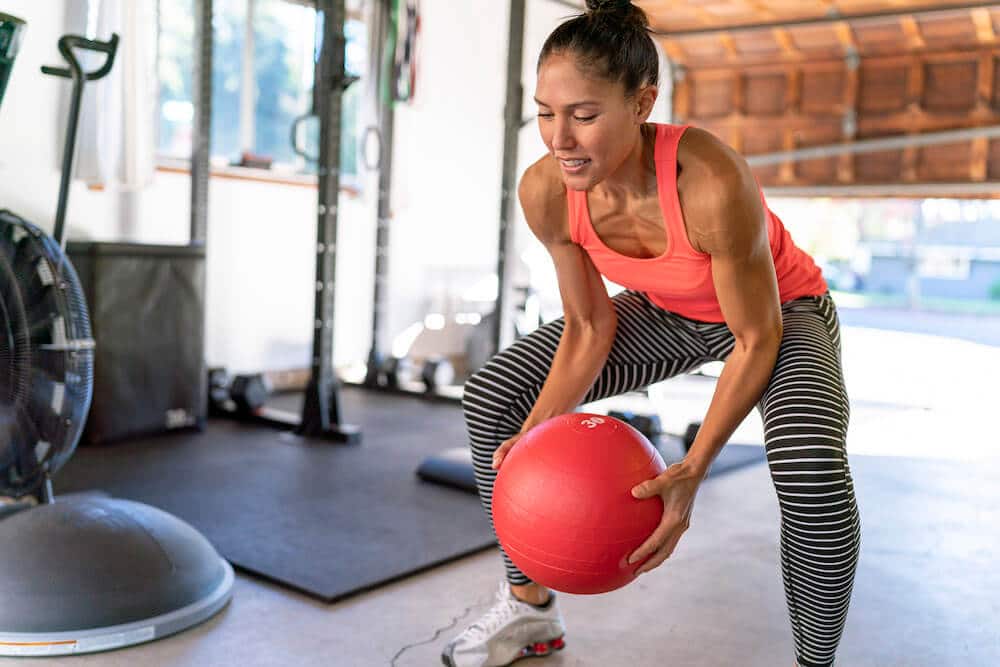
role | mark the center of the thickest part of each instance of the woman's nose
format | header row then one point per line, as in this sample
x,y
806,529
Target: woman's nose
x,y
562,136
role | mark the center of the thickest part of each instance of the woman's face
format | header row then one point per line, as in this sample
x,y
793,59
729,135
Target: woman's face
x,y
586,123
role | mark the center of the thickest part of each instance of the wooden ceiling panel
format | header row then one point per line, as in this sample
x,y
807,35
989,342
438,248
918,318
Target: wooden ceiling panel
x,y
832,28
822,91
757,44
995,98
882,167
947,31
728,12
879,37
764,140
817,40
993,161
764,95
950,86
948,163
822,170
712,96
882,88
671,16
770,76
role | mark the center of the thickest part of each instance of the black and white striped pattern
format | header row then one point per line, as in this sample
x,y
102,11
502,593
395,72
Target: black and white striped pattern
x,y
805,413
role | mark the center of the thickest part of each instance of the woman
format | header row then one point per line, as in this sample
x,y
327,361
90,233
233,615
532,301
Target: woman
x,y
675,216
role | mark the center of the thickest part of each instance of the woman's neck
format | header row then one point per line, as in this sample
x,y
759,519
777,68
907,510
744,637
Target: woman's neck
x,y
636,177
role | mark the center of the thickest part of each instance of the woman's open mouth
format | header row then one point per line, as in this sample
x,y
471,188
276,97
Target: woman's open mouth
x,y
573,166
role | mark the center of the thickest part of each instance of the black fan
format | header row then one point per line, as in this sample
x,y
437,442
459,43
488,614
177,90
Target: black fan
x,y
48,354
85,573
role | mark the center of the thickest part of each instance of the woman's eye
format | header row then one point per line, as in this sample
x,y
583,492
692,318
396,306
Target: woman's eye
x,y
550,115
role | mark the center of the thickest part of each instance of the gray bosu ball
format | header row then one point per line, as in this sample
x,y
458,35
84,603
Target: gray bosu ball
x,y
79,574
88,574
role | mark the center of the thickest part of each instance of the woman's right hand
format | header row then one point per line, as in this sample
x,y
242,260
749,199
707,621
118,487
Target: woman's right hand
x,y
501,452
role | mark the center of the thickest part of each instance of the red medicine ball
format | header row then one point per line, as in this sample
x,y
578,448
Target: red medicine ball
x,y
563,507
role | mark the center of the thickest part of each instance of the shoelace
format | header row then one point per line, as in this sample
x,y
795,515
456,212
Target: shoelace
x,y
503,609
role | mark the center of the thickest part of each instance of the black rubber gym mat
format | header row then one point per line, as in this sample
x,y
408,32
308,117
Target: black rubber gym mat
x,y
453,466
327,520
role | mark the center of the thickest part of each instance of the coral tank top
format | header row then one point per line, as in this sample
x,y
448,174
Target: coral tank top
x,y
680,280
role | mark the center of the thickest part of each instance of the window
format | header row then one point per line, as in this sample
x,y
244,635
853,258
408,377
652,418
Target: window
x,y
262,78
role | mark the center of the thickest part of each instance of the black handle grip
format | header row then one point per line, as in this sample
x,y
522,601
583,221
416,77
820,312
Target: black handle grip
x,y
69,42
294,137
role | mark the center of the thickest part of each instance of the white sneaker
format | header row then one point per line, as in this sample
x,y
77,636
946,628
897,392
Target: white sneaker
x,y
509,631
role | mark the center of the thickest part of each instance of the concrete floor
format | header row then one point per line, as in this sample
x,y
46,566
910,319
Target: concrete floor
x,y
927,592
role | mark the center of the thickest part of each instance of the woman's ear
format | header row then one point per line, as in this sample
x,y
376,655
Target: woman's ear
x,y
645,99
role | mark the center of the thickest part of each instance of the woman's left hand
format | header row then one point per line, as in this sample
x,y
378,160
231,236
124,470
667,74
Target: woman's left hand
x,y
677,486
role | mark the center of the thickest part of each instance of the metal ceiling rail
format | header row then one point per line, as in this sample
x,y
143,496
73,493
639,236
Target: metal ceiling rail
x,y
918,190
874,145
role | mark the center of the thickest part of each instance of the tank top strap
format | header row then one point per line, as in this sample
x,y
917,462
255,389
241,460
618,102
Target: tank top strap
x,y
575,209
668,137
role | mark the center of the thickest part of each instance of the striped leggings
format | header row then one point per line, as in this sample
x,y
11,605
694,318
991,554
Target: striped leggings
x,y
805,413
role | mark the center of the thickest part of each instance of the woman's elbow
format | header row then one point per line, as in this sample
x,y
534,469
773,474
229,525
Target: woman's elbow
x,y
596,329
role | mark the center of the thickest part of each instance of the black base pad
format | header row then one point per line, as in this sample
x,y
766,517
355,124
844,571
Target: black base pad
x,y
326,519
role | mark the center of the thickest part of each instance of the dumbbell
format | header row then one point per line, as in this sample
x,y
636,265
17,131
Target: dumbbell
x,y
249,392
648,425
218,391
437,372
651,427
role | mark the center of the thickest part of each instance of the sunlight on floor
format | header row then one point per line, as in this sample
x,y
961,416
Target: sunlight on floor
x,y
911,395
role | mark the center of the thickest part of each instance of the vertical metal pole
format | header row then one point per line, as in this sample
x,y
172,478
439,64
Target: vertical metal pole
x,y
69,152
386,32
502,334
320,411
201,135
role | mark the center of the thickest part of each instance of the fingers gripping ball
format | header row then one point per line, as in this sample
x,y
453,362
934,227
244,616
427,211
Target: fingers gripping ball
x,y
563,507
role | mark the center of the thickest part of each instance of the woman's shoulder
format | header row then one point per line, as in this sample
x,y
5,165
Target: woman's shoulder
x,y
700,149
709,164
543,197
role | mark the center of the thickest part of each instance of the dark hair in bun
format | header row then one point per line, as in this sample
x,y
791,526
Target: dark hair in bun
x,y
611,40
608,5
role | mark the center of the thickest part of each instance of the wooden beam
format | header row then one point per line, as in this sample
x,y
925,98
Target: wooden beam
x,y
979,160
729,44
787,44
984,84
739,94
911,29
673,50
761,10
682,97
983,21
845,163
793,90
786,173
845,35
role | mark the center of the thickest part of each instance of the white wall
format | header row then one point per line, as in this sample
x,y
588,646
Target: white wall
x,y
448,159
446,192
